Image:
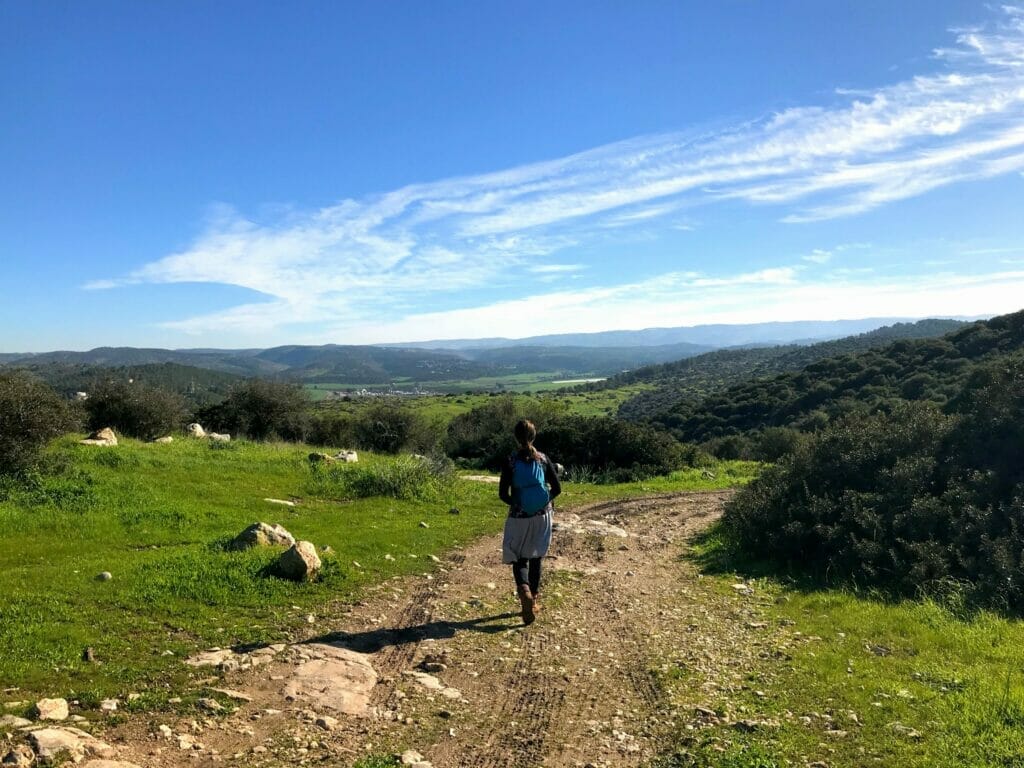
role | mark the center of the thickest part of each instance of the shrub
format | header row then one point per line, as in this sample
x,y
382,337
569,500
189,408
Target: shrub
x,y
326,428
388,427
775,443
908,500
402,477
260,410
136,410
610,449
31,414
483,436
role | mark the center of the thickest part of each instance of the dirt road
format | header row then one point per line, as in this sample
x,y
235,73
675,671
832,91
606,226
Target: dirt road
x,y
462,682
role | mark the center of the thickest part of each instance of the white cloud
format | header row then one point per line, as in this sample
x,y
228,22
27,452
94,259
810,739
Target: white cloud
x,y
349,264
818,256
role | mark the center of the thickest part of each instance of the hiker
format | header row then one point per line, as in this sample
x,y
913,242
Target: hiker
x,y
528,485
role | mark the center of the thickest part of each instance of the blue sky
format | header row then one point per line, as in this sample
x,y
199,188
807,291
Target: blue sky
x,y
231,174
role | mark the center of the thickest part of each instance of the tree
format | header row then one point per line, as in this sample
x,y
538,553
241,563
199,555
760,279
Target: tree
x,y
31,414
136,410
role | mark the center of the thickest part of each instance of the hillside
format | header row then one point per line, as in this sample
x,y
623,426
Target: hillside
x,y
692,379
910,369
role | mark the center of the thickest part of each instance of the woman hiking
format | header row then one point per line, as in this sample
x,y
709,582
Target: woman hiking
x,y
528,485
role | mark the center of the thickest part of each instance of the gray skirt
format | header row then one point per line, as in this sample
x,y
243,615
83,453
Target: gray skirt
x,y
526,537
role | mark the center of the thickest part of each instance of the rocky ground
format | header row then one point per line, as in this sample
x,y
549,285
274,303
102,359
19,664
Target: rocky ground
x,y
439,667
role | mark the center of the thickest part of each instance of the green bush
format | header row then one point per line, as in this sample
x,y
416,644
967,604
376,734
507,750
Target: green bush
x,y
387,427
402,477
612,451
260,410
907,500
483,438
31,414
334,429
136,410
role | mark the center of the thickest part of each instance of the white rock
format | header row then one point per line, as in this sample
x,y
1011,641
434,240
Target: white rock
x,y
280,501
262,535
51,744
167,439
109,705
103,436
10,721
195,430
334,678
52,709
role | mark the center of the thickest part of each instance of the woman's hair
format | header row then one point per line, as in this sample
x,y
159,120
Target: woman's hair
x,y
525,434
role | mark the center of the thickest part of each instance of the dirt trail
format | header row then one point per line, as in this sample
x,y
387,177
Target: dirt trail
x,y
577,688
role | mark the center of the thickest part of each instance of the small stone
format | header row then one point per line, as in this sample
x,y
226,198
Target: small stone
x,y
454,511
232,694
12,722
104,576
52,709
109,705
326,722
410,756
89,655
210,705
423,524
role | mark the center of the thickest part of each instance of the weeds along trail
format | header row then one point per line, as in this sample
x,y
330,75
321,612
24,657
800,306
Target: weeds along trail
x,y
582,685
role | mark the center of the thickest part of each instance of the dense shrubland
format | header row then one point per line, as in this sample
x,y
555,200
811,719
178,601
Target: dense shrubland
x,y
932,370
911,497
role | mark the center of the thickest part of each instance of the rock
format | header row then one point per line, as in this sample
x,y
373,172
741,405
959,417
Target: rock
x,y
11,721
424,524
219,437
572,523
210,705
300,563
104,576
429,682
195,430
349,457
110,764
410,756
334,678
103,436
52,744
262,535
231,694
280,501
167,439
19,757
51,709
454,511
326,722
317,458
109,705
89,653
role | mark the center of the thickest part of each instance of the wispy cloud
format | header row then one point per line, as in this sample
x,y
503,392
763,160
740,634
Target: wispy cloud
x,y
363,259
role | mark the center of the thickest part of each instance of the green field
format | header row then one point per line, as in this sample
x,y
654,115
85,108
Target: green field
x,y
157,516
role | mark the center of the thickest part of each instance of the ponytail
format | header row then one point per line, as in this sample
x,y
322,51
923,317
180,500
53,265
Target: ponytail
x,y
525,434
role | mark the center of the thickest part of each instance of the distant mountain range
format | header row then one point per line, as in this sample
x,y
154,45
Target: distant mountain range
x,y
568,355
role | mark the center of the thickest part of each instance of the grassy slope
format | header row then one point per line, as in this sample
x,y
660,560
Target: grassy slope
x,y
155,515
928,686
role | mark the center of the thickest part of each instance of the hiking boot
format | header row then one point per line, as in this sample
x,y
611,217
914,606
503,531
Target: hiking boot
x,y
526,601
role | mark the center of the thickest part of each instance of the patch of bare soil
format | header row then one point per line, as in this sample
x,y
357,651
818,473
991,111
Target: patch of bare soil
x,y
458,677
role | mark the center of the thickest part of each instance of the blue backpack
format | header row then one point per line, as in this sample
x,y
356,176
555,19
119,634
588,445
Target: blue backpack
x,y
529,490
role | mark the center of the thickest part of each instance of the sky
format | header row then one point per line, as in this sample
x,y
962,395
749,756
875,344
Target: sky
x,y
249,174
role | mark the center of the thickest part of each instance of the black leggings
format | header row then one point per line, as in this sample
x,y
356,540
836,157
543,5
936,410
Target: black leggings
x,y
527,572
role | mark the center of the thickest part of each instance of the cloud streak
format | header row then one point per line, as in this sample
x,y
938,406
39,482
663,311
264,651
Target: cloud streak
x,y
394,253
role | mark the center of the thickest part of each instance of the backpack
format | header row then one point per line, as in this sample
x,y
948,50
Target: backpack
x,y
529,490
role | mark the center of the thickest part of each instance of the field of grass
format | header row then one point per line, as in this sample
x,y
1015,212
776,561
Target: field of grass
x,y
157,516
858,681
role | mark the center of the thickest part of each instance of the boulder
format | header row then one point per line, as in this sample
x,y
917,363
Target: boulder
x,y
13,721
19,757
53,744
317,458
349,457
195,430
167,439
262,535
334,678
300,563
103,436
52,709
219,437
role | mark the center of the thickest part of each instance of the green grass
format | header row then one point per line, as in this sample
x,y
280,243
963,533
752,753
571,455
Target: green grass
x,y
157,516
929,686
